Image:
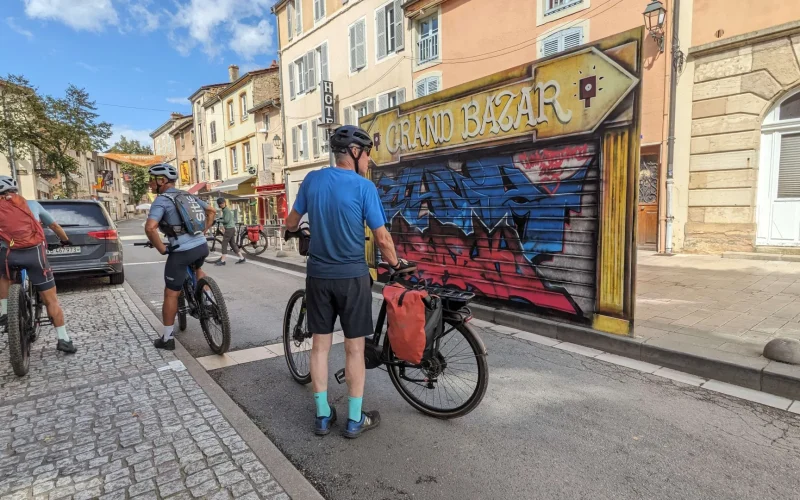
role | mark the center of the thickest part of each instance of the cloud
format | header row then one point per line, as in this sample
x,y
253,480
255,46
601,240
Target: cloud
x,y
172,82
87,67
250,41
147,21
89,15
138,69
178,100
19,29
142,135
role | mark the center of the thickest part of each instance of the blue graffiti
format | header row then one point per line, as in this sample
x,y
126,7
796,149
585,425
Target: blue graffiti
x,y
494,190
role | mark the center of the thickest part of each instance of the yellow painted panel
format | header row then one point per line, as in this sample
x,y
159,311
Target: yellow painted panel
x,y
613,221
611,325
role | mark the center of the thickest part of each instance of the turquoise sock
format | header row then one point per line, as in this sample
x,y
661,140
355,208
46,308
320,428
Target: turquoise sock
x,y
323,409
61,331
354,409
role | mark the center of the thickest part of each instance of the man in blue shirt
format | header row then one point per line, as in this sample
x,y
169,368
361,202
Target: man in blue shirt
x,y
191,249
338,201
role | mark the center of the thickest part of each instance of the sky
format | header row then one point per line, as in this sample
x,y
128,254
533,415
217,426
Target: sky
x,y
132,54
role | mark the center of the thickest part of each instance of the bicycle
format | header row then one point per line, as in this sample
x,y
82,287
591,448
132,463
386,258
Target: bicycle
x,y
214,312
428,381
242,237
24,319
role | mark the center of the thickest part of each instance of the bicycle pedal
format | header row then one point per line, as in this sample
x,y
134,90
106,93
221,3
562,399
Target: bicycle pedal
x,y
339,376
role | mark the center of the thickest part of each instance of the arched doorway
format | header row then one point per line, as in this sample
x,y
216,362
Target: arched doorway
x,y
778,204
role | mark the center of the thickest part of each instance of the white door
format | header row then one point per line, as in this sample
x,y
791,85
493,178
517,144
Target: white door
x,y
779,176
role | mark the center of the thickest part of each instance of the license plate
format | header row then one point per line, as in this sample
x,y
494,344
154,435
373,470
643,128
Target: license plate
x,y
64,251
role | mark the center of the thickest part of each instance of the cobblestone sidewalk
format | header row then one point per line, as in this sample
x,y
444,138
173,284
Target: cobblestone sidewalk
x,y
117,420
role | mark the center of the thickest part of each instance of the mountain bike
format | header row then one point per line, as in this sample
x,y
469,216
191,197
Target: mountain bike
x,y
24,319
449,383
202,299
242,238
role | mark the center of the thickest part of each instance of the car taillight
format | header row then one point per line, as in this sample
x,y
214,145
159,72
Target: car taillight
x,y
109,234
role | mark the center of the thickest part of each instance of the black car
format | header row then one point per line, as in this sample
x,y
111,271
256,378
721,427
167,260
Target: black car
x,y
96,250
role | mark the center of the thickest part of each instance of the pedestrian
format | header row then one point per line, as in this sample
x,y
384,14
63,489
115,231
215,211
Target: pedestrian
x,y
229,236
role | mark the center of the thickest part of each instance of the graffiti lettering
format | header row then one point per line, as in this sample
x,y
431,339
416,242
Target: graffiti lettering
x,y
405,129
434,125
525,108
449,115
419,135
488,117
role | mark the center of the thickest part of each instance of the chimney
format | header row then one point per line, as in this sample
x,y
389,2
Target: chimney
x,y
274,63
233,72
175,116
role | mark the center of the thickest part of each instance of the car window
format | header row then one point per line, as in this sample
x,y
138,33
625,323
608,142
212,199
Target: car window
x,y
76,214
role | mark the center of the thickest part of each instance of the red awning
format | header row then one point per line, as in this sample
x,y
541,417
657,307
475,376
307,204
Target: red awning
x,y
196,188
271,189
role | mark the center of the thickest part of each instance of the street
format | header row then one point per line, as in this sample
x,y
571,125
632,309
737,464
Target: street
x,y
553,424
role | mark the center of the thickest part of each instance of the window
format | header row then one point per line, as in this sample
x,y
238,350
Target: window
x,y
234,160
213,128
389,28
298,17
561,41
790,108
191,132
319,10
202,170
217,170
183,141
300,142
356,111
303,74
290,20
552,6
428,44
230,112
391,99
202,132
358,45
243,105
246,150
319,138
789,166
428,85
322,61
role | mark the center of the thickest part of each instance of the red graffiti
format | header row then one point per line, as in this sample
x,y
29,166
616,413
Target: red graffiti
x,y
488,263
549,167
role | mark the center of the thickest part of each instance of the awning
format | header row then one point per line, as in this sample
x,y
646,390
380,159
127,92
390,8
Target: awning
x,y
267,189
231,184
197,187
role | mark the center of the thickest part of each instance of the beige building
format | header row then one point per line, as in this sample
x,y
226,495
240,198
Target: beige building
x,y
32,178
737,164
163,144
201,120
182,135
112,190
269,141
362,46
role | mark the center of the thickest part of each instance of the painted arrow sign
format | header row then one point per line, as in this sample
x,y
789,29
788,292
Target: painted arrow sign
x,y
561,97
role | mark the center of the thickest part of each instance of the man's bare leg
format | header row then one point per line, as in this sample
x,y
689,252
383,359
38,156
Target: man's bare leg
x,y
54,311
320,349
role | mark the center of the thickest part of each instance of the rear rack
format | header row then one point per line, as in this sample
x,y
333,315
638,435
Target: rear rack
x,y
452,300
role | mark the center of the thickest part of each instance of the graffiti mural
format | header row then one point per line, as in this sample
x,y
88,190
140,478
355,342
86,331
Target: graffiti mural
x,y
521,186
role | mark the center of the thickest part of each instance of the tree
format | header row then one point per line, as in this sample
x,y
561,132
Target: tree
x,y
139,177
22,117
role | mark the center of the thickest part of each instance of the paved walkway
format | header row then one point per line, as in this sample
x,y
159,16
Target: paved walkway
x,y
117,420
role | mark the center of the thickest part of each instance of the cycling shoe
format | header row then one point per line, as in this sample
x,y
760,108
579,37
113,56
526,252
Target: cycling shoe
x,y
66,346
322,425
369,420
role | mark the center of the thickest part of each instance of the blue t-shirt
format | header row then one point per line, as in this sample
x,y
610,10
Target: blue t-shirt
x,y
338,202
42,215
163,208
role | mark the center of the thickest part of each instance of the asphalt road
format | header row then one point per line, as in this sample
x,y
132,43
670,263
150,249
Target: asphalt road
x,y
553,424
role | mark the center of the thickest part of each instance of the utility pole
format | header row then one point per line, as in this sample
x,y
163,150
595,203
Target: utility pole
x,y
677,63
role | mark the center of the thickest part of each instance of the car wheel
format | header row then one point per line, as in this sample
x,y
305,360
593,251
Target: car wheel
x,y
118,279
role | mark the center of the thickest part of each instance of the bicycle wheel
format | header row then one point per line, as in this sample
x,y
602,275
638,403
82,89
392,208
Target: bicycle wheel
x,y
18,330
213,315
453,383
297,339
215,243
182,312
257,247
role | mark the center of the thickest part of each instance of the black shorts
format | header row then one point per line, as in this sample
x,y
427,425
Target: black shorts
x,y
175,268
34,261
350,299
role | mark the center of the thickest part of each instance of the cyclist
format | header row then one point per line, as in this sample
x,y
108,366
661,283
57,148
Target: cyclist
x,y
230,233
23,219
190,249
338,201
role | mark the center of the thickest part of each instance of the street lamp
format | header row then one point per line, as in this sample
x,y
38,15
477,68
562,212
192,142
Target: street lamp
x,y
276,141
654,16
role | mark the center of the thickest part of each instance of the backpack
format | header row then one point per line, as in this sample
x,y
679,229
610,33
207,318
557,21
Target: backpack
x,y
18,226
415,321
192,215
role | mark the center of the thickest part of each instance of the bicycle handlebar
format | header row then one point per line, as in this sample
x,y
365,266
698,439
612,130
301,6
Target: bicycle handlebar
x,y
147,244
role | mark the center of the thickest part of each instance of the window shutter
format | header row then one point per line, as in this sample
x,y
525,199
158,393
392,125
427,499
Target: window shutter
x,y
305,141
323,61
370,106
266,153
422,87
383,102
347,116
353,49
292,93
401,96
295,145
290,20
311,73
361,44
315,137
299,19
572,38
789,167
433,85
550,45
399,21
380,28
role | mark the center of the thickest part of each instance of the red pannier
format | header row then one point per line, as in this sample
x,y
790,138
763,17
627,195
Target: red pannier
x,y
415,320
254,233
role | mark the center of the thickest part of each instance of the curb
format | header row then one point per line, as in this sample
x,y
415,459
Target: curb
x,y
291,480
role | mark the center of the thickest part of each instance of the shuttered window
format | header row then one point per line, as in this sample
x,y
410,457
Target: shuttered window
x,y
290,19
789,167
319,9
427,86
561,41
358,45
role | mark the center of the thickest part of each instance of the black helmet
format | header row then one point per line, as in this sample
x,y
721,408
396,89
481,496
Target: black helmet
x,y
346,135
220,201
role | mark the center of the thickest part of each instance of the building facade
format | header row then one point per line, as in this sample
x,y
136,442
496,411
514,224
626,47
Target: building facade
x,y
270,143
361,46
182,134
201,125
163,144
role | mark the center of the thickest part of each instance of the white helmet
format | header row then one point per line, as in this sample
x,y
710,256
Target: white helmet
x,y
164,170
7,184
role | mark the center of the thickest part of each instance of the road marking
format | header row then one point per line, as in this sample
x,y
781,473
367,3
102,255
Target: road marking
x,y
133,237
143,263
243,356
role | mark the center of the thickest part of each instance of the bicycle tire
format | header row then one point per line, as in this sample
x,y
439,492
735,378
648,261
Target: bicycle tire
x,y
212,244
478,349
221,313
288,340
249,249
18,347
182,312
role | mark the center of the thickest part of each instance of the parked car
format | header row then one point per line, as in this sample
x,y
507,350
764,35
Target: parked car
x,y
96,250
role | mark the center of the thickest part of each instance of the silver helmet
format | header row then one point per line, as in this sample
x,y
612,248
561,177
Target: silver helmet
x,y
164,170
7,184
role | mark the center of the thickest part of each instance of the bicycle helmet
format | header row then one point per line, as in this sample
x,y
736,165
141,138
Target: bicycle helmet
x,y
347,135
164,170
7,184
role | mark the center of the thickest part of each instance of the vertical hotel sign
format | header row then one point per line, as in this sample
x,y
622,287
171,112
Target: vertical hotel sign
x,y
570,122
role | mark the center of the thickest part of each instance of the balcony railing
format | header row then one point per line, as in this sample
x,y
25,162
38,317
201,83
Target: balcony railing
x,y
428,48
